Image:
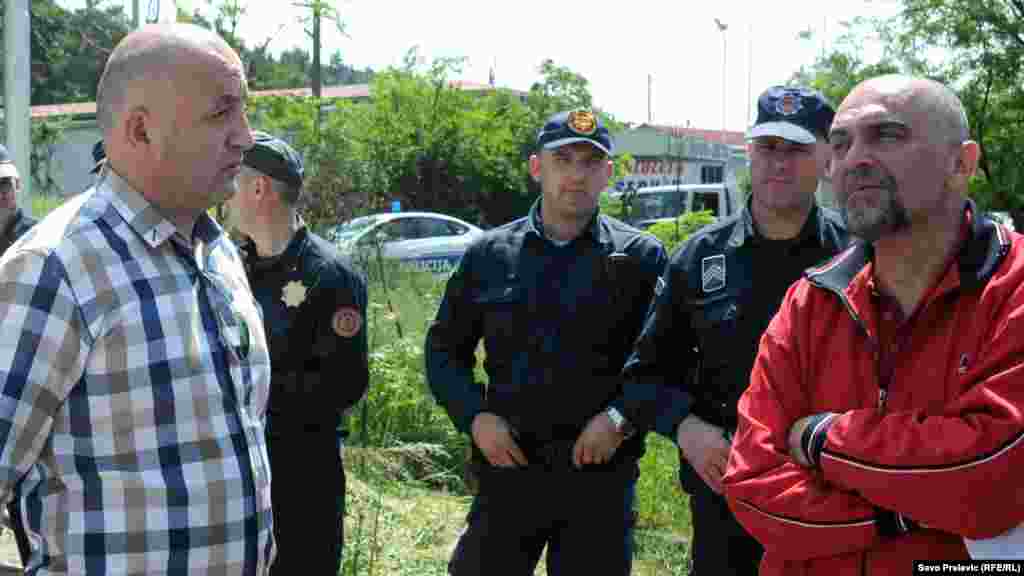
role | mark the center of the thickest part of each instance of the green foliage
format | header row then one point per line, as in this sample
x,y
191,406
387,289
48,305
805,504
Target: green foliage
x,y
977,48
424,141
69,48
672,234
46,133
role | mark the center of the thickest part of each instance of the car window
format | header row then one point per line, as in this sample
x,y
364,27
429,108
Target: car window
x,y
706,201
456,229
436,227
386,232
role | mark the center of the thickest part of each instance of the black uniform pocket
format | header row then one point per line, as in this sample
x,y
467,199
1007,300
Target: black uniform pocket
x,y
715,322
503,313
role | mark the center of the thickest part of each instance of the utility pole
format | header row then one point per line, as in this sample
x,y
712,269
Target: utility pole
x,y
316,53
18,92
750,69
650,79
722,27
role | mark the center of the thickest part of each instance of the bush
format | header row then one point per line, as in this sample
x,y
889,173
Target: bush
x,y
672,234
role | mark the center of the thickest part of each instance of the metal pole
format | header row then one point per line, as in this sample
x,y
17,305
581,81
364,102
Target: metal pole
x,y
18,93
136,14
722,27
750,69
649,117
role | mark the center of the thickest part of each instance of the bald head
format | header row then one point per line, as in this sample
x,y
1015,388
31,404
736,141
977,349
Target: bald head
x,y
940,104
152,53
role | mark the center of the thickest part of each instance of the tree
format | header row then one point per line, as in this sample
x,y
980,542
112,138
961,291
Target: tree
x,y
982,44
977,48
70,49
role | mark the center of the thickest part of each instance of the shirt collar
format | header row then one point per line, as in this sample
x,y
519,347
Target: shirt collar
x,y
596,229
811,232
144,218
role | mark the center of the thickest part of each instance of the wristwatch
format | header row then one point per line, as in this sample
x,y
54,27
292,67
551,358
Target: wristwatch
x,y
621,424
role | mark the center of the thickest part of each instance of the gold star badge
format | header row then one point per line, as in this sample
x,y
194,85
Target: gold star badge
x,y
294,294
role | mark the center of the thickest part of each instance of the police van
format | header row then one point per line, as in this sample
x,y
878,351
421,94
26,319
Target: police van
x,y
423,240
648,206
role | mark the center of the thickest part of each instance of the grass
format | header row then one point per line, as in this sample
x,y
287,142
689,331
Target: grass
x,y
397,526
407,493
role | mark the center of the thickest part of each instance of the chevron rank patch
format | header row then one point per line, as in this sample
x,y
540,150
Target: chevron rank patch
x,y
712,273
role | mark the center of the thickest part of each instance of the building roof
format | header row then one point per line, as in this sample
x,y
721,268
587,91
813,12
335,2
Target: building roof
x,y
351,91
728,137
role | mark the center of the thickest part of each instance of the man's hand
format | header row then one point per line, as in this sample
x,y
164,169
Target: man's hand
x,y
796,435
807,451
597,443
494,438
704,446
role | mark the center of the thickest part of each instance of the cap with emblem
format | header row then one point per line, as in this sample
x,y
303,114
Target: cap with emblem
x,y
99,156
574,126
792,113
7,167
275,158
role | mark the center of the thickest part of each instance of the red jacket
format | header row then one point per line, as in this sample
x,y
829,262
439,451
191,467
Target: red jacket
x,y
947,448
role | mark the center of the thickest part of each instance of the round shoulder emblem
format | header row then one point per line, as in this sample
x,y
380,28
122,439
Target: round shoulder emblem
x,y
346,322
582,122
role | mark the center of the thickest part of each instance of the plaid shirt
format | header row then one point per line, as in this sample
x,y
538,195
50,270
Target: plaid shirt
x,y
133,382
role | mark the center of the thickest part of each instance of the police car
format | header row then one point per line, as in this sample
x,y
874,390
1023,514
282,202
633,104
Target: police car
x,y
425,240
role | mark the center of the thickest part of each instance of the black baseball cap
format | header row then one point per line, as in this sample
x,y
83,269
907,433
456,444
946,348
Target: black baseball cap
x,y
99,156
7,167
575,126
275,158
792,113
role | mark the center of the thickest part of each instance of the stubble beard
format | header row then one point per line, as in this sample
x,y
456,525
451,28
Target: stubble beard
x,y
872,223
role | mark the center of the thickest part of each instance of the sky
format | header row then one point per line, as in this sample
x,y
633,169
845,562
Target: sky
x,y
616,46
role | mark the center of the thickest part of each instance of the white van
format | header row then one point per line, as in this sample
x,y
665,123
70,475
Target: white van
x,y
658,203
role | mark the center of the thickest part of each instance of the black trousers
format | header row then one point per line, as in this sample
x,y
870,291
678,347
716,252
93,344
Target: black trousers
x,y
307,493
720,545
581,516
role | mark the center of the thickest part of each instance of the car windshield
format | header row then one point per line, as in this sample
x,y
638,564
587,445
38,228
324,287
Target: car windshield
x,y
352,228
658,204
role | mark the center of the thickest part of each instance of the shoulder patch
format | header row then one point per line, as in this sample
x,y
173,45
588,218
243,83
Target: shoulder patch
x,y
712,273
346,321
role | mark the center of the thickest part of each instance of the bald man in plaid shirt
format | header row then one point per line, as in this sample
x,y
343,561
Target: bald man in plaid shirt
x,y
134,369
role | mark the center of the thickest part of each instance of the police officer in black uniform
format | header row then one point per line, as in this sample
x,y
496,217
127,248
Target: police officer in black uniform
x,y
558,298
13,221
718,294
314,306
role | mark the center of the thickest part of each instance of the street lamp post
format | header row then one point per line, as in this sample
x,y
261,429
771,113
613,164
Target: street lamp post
x,y
722,27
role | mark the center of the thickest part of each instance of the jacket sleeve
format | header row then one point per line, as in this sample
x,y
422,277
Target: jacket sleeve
x,y
450,350
347,354
791,510
969,454
662,360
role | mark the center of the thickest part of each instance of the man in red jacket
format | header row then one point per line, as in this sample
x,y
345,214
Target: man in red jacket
x,y
884,421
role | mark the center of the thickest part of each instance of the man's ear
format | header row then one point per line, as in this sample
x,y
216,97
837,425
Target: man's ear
x,y
138,127
535,167
967,158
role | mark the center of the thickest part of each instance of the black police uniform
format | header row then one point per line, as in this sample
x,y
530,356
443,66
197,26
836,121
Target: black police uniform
x,y
314,307
557,323
698,345
18,224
